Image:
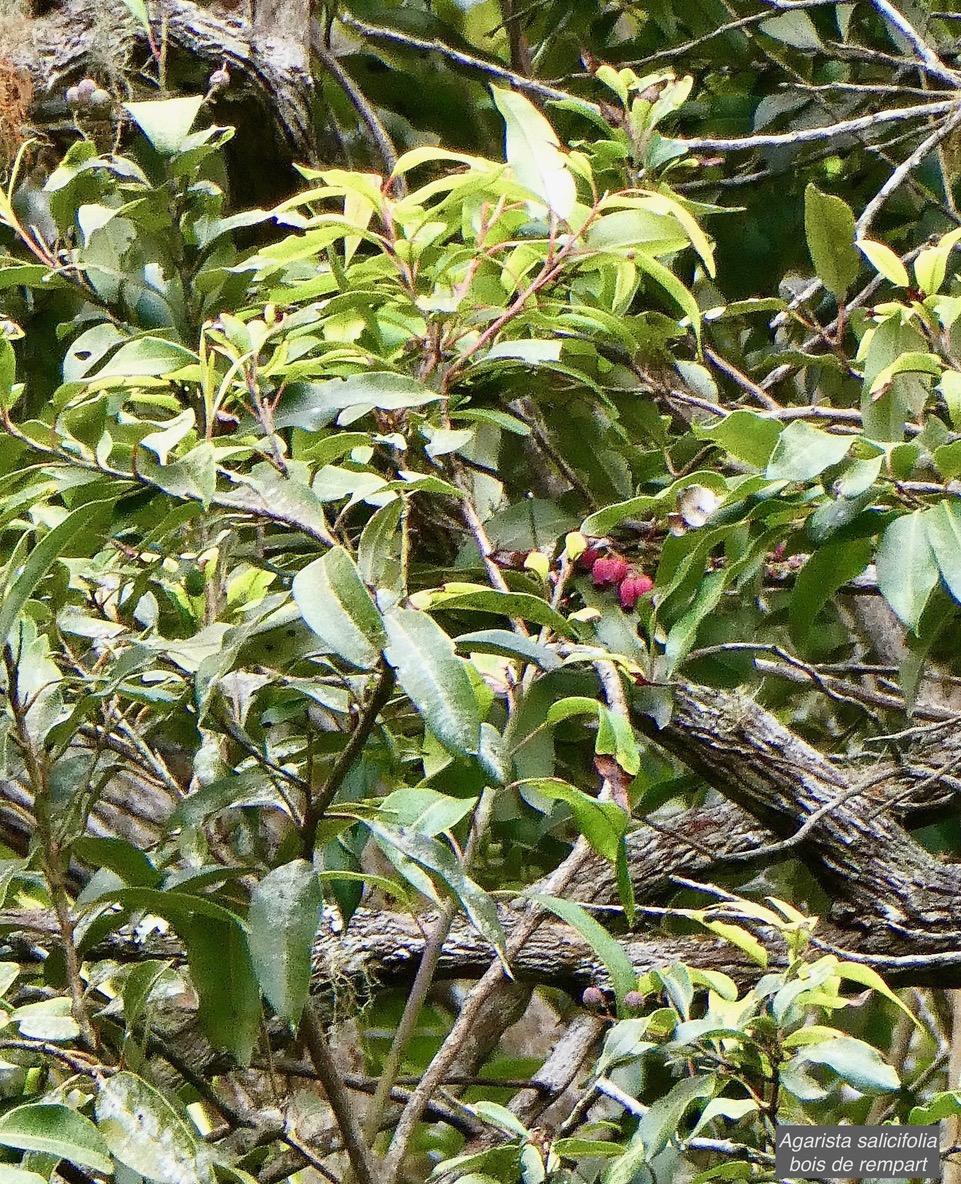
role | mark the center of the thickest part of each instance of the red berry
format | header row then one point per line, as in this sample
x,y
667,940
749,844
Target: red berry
x,y
611,570
593,997
586,560
633,588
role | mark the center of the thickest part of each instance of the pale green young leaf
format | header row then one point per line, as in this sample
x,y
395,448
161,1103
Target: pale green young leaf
x,y
829,227
166,122
532,151
885,262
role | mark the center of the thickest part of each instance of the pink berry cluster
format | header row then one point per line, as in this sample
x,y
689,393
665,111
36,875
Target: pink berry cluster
x,y
613,571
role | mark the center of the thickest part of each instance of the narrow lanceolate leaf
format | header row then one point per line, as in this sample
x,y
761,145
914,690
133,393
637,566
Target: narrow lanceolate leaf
x,y
829,227
608,949
335,603
282,924
42,557
53,1129
146,1132
907,570
437,859
802,452
219,961
603,824
533,153
434,679
944,534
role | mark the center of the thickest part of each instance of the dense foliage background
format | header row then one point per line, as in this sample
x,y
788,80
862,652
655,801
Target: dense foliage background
x,y
480,567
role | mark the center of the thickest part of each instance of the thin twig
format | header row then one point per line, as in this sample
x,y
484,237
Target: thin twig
x,y
361,1160
808,135
320,802
924,52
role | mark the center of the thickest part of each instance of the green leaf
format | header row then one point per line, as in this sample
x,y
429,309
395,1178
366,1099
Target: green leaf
x,y
508,645
795,29
857,972
855,1062
426,810
313,405
827,570
533,153
943,1105
608,949
658,1126
335,603
9,1175
8,374
147,1133
885,262
913,362
740,937
54,1129
138,10
42,557
829,227
504,604
379,544
603,824
435,857
282,925
499,1116
615,737
744,434
166,122
145,358
683,633
637,230
434,679
943,524
174,432
906,566
121,857
802,452
220,967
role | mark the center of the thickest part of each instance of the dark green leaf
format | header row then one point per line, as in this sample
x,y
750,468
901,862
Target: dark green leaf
x,y
434,678
608,949
282,924
440,861
802,452
335,603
